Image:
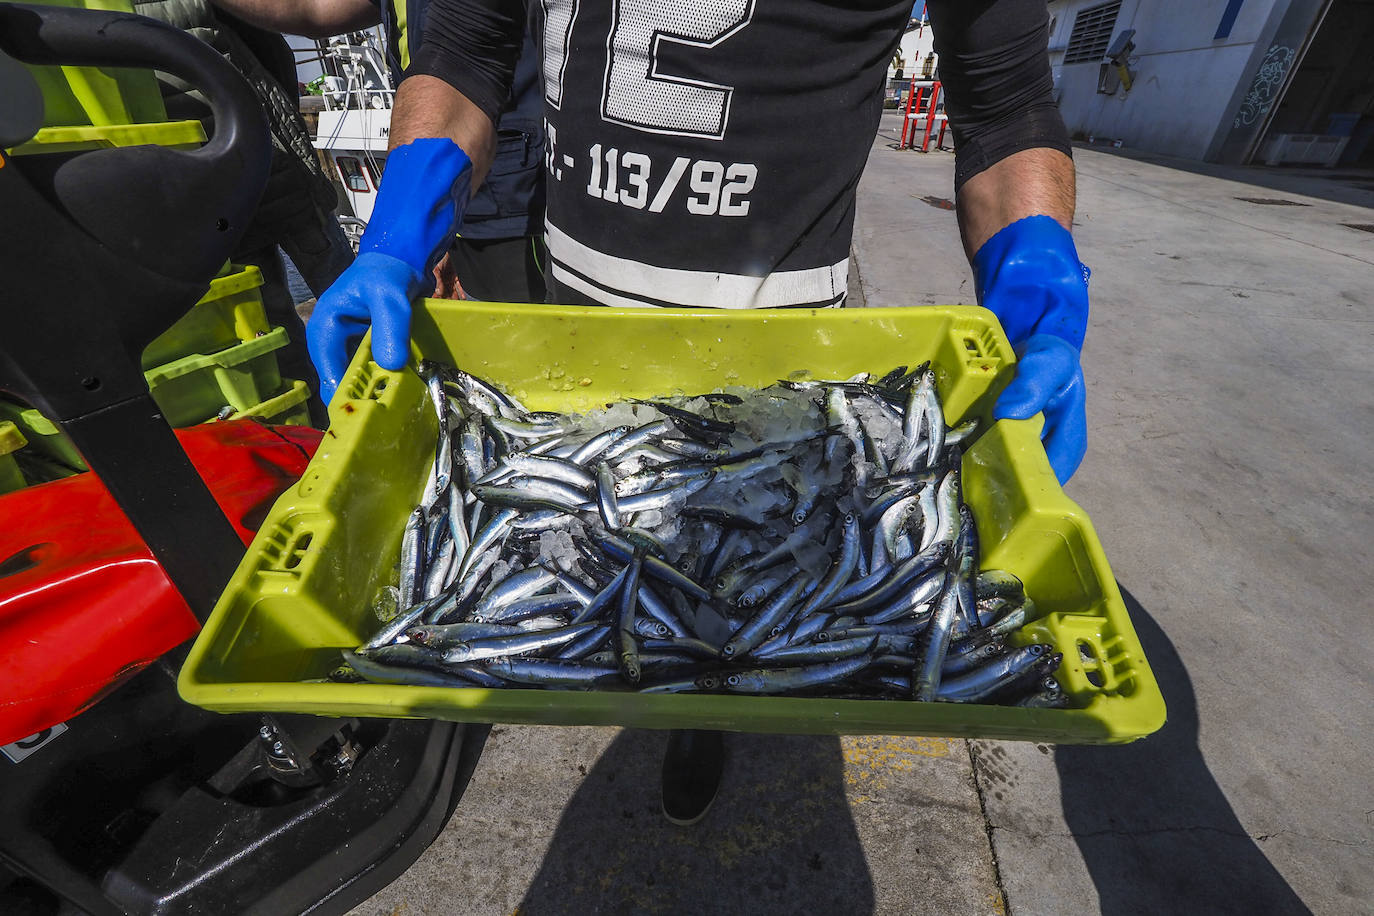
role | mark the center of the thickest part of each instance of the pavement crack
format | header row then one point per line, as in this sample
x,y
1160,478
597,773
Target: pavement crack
x,y
1354,844
987,825
858,283
1159,831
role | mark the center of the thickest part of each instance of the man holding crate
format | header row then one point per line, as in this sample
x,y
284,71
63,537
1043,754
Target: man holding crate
x,y
707,154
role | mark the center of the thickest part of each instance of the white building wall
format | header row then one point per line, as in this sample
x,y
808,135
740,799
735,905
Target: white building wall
x,y
915,45
1185,80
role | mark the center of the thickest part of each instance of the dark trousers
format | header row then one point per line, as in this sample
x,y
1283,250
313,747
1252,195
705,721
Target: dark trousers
x,y
500,270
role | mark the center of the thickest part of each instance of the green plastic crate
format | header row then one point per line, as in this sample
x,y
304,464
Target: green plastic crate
x,y
11,441
44,437
78,137
196,388
288,408
229,313
304,589
97,96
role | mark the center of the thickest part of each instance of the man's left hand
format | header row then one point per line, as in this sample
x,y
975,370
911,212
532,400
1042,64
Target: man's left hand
x,y
1049,380
1028,274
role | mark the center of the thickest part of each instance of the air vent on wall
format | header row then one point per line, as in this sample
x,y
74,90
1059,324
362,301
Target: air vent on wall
x,y
1092,33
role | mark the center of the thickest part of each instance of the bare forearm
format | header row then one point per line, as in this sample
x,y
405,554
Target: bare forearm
x,y
429,107
1031,182
311,18
1012,148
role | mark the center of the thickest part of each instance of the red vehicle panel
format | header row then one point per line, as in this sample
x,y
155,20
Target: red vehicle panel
x,y
83,603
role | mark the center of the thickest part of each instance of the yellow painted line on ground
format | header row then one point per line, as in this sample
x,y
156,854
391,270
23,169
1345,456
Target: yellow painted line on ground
x,y
870,759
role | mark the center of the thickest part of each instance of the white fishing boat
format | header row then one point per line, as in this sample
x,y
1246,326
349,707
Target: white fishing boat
x,y
354,124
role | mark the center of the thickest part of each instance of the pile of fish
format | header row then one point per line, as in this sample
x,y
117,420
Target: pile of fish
x,y
806,538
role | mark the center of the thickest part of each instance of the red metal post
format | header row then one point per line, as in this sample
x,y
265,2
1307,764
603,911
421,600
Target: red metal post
x,y
906,118
930,116
919,95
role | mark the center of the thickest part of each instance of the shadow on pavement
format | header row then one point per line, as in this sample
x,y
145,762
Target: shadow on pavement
x,y
1352,185
1154,828
779,838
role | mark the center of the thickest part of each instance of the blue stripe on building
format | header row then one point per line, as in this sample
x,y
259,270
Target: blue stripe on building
x,y
1228,19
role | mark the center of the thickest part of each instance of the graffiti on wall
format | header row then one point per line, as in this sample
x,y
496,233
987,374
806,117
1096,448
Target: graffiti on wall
x,y
1266,85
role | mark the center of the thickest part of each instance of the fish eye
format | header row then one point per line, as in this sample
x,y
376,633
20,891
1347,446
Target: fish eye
x,y
733,680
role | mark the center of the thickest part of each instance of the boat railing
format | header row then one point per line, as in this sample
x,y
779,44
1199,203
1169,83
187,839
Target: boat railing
x,y
355,73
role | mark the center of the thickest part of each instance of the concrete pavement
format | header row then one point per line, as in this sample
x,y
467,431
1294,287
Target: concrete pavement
x,y
1229,477
568,821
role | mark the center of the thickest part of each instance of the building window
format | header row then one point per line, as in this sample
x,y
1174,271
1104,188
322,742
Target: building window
x,y
1092,33
351,171
928,66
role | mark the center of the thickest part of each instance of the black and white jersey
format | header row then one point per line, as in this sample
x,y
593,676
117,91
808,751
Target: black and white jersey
x,y
707,153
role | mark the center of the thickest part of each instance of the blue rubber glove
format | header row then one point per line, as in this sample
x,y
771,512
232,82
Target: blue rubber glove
x,y
1029,276
418,209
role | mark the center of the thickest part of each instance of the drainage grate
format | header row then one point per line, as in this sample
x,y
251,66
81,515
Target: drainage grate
x,y
1272,201
1363,227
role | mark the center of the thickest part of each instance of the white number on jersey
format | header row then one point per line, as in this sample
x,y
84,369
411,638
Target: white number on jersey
x,y
635,93
559,16
716,189
638,95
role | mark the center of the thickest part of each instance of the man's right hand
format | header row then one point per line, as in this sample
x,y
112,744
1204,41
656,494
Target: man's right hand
x,y
419,207
375,290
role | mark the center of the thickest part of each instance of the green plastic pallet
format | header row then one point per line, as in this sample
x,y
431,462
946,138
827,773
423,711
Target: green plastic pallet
x,y
97,96
196,388
44,437
11,441
80,137
288,407
304,589
230,312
